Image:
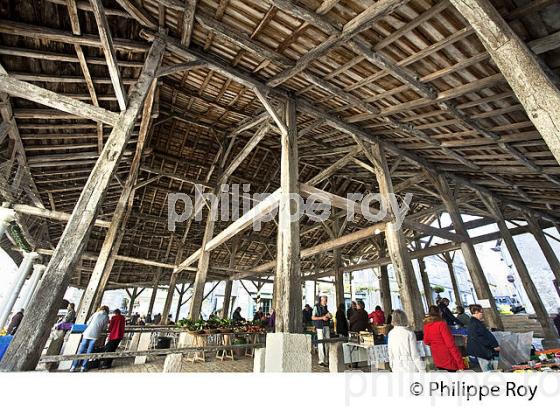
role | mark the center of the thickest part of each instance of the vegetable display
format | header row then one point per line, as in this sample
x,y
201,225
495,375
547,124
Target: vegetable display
x,y
217,325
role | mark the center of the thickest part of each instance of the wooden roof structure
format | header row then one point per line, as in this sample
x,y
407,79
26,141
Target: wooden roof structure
x,y
413,76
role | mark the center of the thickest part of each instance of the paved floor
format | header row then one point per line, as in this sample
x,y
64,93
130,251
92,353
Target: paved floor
x,y
155,365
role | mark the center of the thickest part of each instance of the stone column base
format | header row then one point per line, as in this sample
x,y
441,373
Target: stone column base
x,y
143,344
287,353
173,363
258,363
70,347
336,358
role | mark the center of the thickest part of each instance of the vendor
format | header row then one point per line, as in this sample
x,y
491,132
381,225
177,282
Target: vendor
x,y
359,320
481,343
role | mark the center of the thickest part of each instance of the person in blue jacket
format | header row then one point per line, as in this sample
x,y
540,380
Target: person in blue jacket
x,y
481,343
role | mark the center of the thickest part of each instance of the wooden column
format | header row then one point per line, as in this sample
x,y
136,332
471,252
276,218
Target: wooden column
x,y
287,292
338,277
27,345
203,264
425,278
181,293
229,283
154,294
396,246
133,297
227,299
521,268
448,259
520,67
545,246
469,254
384,283
385,289
171,290
115,234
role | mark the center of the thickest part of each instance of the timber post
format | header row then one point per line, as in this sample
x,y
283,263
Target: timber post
x,y
287,282
521,268
26,347
396,245
474,267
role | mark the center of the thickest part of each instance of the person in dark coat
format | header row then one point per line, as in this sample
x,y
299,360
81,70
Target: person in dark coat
x,y
557,321
446,313
341,321
353,307
359,321
15,322
481,343
307,313
237,315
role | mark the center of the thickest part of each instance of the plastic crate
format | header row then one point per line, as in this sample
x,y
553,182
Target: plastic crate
x,y
4,343
79,328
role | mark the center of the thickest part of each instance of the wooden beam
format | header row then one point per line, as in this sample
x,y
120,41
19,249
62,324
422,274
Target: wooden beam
x,y
245,151
188,21
263,208
109,51
287,286
546,248
336,166
339,242
521,268
26,347
60,102
336,37
203,264
520,67
474,267
397,247
115,234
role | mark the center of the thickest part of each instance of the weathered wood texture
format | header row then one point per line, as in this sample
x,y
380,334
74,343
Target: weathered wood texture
x,y
287,291
532,86
25,349
478,278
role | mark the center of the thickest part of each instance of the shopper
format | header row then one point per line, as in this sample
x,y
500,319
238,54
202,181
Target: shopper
x,y
321,320
557,321
271,321
96,325
377,316
462,316
359,321
445,354
341,321
481,343
237,315
116,334
353,307
70,316
306,315
403,347
259,315
15,322
446,314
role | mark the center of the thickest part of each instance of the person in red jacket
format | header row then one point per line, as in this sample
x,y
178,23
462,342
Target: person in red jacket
x,y
437,335
378,316
116,333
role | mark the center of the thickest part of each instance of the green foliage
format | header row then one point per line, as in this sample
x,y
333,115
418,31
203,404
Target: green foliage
x,y
438,288
17,236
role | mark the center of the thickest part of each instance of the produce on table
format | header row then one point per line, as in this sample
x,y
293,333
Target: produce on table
x,y
217,325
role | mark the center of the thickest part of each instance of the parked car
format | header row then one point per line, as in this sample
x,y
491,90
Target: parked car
x,y
509,301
